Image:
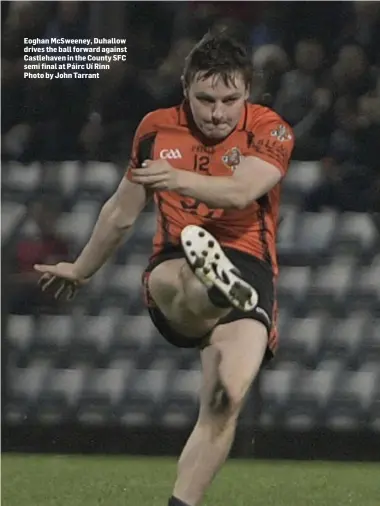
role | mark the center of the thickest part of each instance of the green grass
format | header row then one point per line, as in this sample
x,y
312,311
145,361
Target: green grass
x,y
31,480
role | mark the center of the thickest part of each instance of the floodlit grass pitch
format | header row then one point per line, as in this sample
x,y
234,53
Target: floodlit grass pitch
x,y
35,480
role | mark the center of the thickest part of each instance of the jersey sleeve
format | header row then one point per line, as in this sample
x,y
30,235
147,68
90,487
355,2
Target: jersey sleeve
x,y
272,140
143,143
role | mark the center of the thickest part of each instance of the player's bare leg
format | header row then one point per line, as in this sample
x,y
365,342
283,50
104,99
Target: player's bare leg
x,y
196,294
229,365
183,299
230,362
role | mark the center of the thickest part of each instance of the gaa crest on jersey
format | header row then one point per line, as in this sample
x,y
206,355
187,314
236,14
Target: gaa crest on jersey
x,y
281,133
231,158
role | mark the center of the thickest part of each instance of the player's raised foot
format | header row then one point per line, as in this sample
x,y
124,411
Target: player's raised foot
x,y
212,267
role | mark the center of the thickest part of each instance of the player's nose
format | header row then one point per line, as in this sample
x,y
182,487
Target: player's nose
x,y
217,113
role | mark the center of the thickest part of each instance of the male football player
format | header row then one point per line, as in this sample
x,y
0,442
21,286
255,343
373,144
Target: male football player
x,y
213,165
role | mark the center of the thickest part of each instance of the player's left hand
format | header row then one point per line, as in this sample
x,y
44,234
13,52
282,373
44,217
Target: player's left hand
x,y
157,175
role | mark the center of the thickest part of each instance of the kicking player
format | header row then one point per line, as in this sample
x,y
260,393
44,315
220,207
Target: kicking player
x,y
214,166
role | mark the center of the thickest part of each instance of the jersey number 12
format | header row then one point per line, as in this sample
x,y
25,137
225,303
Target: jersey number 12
x,y
201,163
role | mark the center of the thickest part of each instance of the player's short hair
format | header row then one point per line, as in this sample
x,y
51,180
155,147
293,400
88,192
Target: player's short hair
x,y
218,55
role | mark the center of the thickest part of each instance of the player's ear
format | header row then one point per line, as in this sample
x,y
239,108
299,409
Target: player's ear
x,y
184,87
247,92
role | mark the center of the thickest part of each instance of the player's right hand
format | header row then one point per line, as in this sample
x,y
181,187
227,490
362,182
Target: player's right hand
x,y
60,279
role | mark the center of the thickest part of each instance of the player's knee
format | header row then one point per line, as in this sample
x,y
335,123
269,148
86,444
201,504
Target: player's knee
x,y
224,402
220,399
162,283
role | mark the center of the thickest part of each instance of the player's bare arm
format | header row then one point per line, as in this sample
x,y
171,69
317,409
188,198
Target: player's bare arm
x,y
252,179
116,217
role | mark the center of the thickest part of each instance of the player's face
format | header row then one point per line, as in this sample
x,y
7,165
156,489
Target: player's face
x,y
216,107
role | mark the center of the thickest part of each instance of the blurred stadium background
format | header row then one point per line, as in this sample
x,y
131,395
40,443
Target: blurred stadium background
x,y
94,375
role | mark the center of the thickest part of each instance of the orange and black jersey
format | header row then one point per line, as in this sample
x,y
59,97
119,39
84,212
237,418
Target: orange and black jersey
x,y
169,133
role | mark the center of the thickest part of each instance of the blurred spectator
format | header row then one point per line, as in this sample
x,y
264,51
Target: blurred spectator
x,y
356,109
150,32
164,84
364,29
141,50
321,20
34,137
40,244
346,187
352,75
352,169
267,28
298,86
304,101
238,17
269,63
368,132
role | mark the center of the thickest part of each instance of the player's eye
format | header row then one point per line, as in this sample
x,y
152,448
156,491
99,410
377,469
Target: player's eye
x,y
206,100
230,100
